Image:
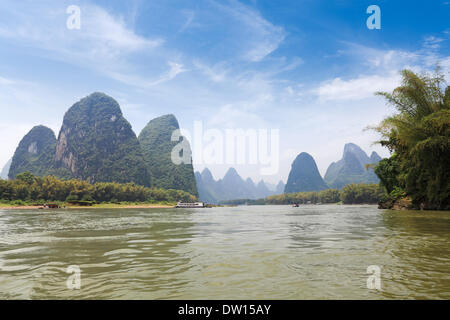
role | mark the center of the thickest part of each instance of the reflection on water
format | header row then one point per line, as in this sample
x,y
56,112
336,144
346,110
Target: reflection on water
x,y
258,252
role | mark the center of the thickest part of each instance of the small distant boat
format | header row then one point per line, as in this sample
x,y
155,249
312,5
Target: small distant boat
x,y
295,205
190,205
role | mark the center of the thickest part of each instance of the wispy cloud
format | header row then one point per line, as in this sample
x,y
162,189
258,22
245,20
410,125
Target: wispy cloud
x,y
5,81
382,70
357,88
101,35
103,43
259,36
141,82
190,16
216,73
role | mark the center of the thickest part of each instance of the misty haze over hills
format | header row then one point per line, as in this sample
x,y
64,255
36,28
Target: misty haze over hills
x,y
351,168
5,170
231,187
303,177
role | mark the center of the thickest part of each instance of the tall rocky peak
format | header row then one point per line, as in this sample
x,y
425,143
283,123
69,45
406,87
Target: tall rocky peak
x,y
280,187
204,189
5,170
351,168
157,146
352,164
304,175
249,183
353,149
232,176
35,153
207,176
262,191
96,143
374,157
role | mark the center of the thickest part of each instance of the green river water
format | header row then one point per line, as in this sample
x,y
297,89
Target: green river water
x,y
248,252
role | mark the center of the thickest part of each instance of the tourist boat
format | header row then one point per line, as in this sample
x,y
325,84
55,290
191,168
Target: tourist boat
x,y
190,205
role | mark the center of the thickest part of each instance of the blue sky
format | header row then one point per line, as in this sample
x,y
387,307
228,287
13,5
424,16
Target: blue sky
x,y
308,68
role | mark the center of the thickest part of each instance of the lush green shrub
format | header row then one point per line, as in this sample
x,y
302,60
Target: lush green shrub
x,y
50,188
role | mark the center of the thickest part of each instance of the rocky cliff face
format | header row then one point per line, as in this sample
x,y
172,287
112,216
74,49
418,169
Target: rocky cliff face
x,y
304,175
96,143
35,153
351,168
157,147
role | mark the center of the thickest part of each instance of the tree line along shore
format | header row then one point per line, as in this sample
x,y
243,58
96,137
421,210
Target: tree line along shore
x,y
356,193
30,190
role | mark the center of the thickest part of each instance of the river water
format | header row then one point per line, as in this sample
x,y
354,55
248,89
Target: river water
x,y
248,252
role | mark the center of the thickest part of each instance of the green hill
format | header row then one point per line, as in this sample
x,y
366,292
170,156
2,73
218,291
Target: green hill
x,y
35,153
96,143
304,175
156,145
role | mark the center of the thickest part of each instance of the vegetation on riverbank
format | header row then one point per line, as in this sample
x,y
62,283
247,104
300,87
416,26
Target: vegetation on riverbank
x,y
28,189
417,174
122,205
350,194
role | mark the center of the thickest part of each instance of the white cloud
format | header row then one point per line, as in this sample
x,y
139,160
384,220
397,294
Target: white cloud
x,y
137,81
216,73
104,42
357,88
236,116
109,32
382,72
190,15
379,60
260,37
101,35
5,81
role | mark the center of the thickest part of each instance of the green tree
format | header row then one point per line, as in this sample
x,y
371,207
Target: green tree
x,y
26,177
419,137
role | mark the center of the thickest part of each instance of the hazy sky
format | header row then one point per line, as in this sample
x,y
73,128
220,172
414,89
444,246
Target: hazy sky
x,y
307,68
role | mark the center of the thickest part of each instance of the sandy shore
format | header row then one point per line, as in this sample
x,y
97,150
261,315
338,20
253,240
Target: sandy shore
x,y
101,206
19,207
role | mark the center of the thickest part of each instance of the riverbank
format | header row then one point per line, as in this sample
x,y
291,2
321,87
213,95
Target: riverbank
x,y
406,203
95,206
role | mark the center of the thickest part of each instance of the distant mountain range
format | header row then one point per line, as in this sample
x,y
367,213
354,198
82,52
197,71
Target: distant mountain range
x,y
231,187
